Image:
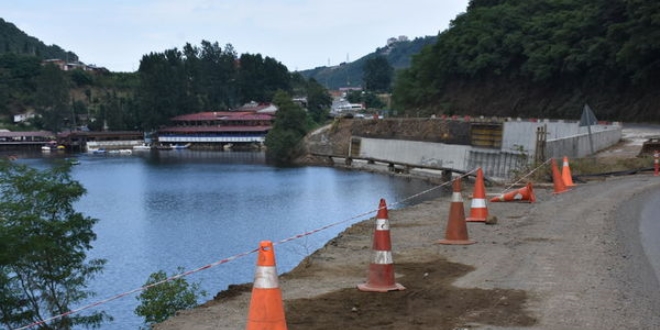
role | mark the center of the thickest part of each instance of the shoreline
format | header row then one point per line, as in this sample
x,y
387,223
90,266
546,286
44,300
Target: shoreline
x,y
579,260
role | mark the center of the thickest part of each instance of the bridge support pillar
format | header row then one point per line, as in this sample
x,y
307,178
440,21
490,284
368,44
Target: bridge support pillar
x,y
348,161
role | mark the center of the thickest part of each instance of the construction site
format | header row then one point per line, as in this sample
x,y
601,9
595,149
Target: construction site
x,y
560,255
498,146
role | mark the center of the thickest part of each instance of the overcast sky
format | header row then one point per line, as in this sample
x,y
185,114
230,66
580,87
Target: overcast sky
x,y
302,34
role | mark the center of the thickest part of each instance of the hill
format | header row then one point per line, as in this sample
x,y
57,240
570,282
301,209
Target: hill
x,y
541,58
15,41
398,53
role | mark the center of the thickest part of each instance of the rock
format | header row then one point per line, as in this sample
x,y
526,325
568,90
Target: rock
x,y
491,220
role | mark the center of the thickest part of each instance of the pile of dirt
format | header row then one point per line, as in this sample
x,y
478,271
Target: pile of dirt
x,y
428,302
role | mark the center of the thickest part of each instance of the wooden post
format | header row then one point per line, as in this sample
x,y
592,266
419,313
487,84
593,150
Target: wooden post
x,y
541,136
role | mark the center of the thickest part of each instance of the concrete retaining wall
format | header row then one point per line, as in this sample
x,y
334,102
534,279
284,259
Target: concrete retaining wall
x,y
518,148
522,134
495,163
580,145
415,153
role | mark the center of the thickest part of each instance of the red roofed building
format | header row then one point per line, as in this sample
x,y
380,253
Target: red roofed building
x,y
226,127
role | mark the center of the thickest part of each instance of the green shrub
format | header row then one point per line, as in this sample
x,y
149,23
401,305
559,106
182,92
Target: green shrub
x,y
162,300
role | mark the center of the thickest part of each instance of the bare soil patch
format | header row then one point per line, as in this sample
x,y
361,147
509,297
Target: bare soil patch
x,y
430,301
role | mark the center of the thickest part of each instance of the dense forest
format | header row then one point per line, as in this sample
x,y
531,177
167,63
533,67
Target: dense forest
x,y
543,58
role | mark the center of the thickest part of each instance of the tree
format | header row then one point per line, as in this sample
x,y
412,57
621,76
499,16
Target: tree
x,y
288,129
216,75
318,101
43,264
260,78
163,298
369,99
163,90
372,101
17,78
52,97
377,74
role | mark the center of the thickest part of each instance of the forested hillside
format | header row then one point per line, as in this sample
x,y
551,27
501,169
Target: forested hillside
x,y
398,55
542,58
15,41
167,84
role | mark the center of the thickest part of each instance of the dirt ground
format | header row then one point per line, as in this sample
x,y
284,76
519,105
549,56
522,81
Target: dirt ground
x,y
568,261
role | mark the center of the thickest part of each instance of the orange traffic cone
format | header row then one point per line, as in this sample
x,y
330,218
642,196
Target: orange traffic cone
x,y
478,210
456,233
566,174
381,270
266,306
525,193
560,187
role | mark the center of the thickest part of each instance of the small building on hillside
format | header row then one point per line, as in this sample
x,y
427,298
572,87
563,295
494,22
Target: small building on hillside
x,y
68,66
258,107
23,117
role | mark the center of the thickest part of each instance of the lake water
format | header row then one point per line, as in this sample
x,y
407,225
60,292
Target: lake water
x,y
160,211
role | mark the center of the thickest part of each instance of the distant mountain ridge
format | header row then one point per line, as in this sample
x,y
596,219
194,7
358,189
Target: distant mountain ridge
x,y
398,53
15,41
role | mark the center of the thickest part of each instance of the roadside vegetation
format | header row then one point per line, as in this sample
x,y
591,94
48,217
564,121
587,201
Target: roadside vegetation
x,y
163,298
44,268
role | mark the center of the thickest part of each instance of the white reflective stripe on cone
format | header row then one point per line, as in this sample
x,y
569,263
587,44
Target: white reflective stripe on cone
x,y
382,224
478,203
265,277
383,257
456,197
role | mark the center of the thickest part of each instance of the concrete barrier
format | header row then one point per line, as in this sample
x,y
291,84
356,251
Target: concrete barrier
x,y
580,145
500,160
